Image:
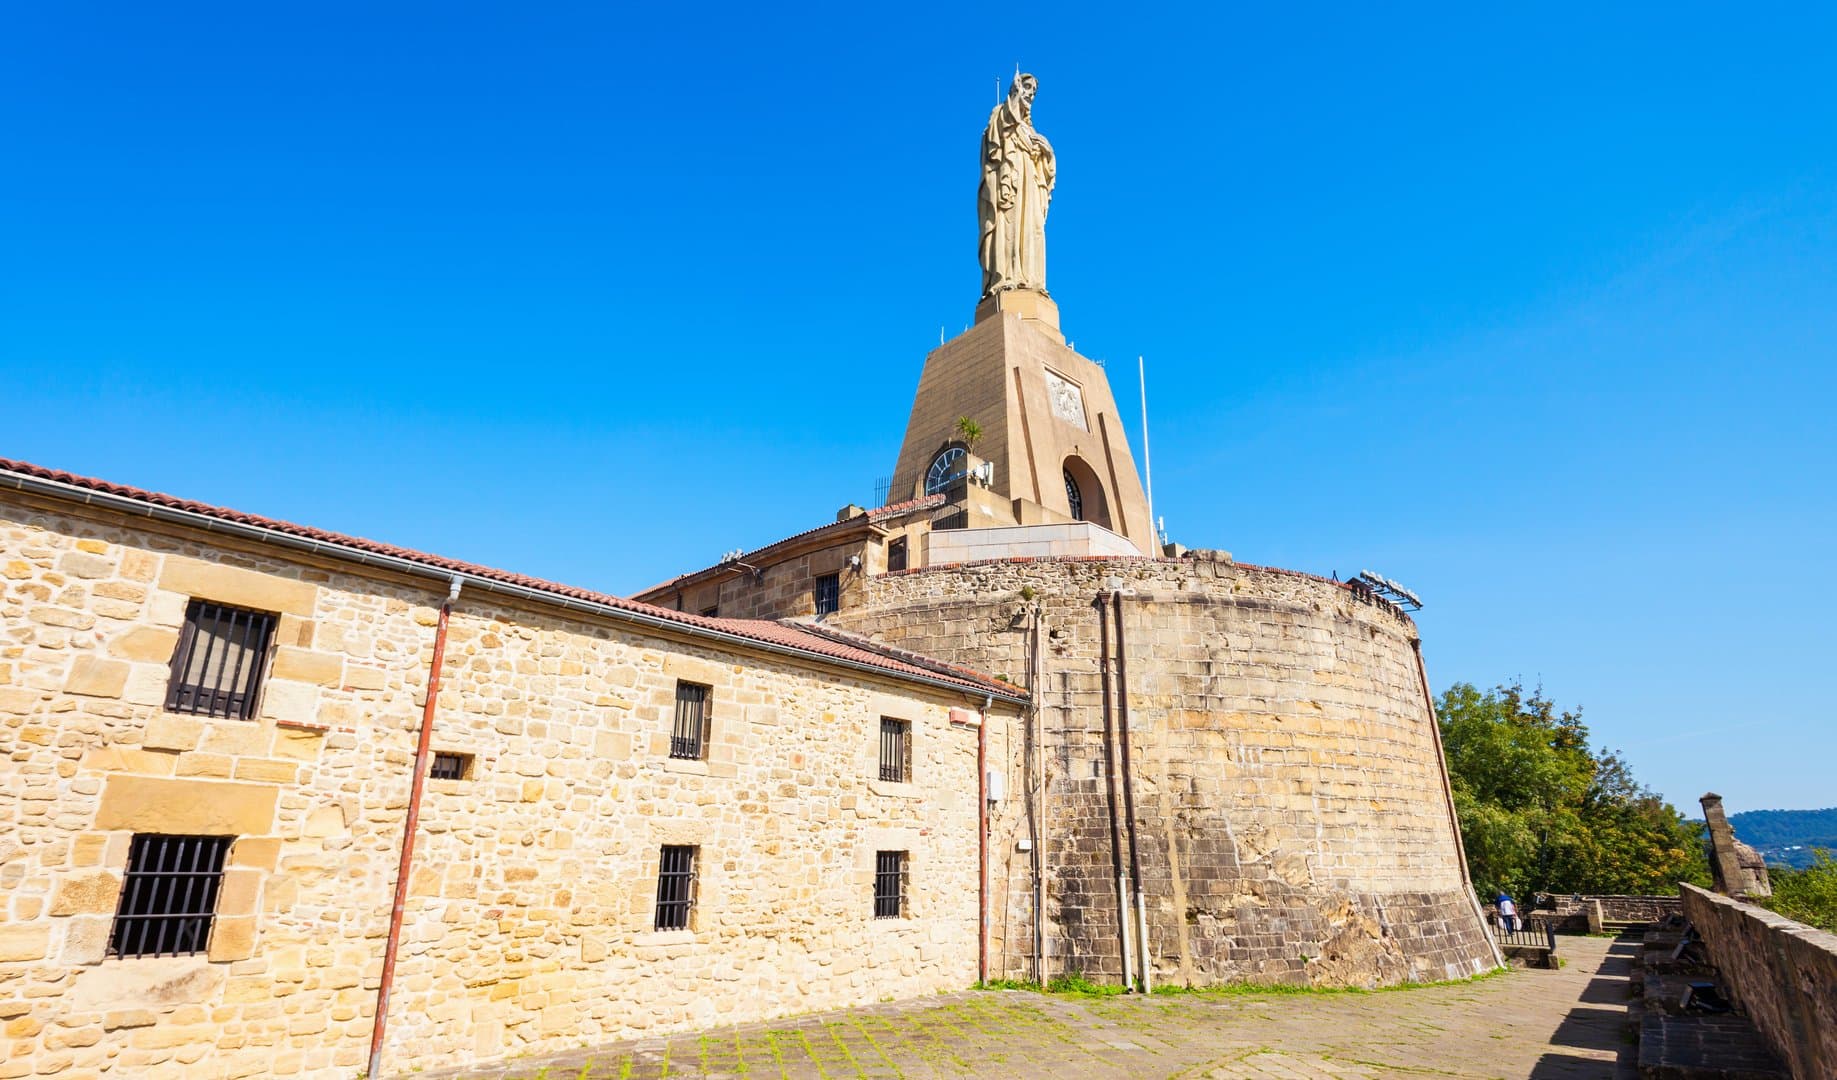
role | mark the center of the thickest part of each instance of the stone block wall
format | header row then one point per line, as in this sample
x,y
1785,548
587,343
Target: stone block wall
x,y
1569,914
784,588
528,925
1782,974
1290,805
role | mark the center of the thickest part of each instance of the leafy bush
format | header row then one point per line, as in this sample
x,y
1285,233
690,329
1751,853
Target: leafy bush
x,y
1810,896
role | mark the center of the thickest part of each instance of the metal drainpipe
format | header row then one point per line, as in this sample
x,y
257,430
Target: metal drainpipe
x,y
982,842
1036,676
1109,792
408,835
1135,854
1454,819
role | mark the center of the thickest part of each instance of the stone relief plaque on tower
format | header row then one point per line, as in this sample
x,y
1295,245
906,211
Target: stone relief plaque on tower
x,y
1067,400
1017,180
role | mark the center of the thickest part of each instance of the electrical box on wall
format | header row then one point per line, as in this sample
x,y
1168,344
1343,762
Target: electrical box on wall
x,y
997,785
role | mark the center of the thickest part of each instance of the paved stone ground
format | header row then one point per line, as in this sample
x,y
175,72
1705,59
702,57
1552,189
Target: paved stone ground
x,y
1524,1025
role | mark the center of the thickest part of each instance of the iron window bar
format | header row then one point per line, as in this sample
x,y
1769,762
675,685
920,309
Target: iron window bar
x,y
219,661
689,733
889,885
895,750
828,594
896,555
448,766
169,897
675,887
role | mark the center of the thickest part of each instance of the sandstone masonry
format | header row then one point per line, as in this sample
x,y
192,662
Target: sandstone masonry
x,y
529,919
1290,799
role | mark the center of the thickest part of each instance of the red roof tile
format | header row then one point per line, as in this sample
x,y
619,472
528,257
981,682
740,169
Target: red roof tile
x,y
858,651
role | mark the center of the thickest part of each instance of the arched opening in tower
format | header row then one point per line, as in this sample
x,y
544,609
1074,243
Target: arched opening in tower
x,y
1084,494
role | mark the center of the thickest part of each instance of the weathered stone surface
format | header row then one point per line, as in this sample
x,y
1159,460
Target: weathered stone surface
x,y
201,578
1291,817
93,676
146,984
28,941
202,807
146,644
92,893
1780,973
169,731
307,665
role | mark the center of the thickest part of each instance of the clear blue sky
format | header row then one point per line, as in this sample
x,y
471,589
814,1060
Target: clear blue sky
x,y
1534,314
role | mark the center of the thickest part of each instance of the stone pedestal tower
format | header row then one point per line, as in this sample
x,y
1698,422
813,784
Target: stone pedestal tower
x,y
1049,423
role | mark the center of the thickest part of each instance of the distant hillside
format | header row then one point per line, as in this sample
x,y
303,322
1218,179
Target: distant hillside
x,y
1787,836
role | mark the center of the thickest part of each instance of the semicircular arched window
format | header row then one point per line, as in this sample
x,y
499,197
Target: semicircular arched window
x,y
1073,496
945,468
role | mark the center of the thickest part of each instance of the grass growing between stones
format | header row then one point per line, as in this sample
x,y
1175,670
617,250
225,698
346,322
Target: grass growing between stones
x,y
1079,985
1248,989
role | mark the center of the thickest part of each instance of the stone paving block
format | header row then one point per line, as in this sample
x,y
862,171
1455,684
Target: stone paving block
x,y
1704,1048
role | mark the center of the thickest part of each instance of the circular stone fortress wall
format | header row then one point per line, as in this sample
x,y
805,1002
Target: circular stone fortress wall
x,y
1290,804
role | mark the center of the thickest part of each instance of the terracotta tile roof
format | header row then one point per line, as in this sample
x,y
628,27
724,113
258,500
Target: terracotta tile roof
x,y
807,641
893,509
874,516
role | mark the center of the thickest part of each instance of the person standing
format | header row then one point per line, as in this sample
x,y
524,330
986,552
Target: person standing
x,y
1508,912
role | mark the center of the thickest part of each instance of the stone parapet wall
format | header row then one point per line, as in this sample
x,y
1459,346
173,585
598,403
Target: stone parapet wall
x,y
528,925
1569,914
1291,812
1781,973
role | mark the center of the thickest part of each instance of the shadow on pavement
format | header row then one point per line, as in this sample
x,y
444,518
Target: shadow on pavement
x,y
1591,1029
1569,1067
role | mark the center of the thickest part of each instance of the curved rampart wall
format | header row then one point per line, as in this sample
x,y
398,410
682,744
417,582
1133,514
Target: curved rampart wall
x,y
1291,812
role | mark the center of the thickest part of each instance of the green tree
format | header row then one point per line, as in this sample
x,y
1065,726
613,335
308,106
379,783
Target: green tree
x,y
1541,812
1808,895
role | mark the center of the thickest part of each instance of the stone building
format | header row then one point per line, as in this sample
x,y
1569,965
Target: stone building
x,y
1227,772
275,801
632,820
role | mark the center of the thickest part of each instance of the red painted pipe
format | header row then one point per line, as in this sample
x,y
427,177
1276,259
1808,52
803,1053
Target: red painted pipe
x,y
408,836
982,845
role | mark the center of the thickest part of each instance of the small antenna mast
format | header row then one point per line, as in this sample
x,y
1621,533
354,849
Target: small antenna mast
x,y
1141,370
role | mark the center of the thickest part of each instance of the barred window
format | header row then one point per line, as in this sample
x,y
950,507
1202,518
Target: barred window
x,y
896,555
219,661
169,897
675,887
689,734
890,884
450,766
828,593
895,750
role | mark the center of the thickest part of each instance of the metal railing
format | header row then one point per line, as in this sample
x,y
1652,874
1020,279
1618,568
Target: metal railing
x,y
1531,934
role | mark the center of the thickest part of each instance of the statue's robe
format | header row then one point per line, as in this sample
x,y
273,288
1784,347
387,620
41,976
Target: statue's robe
x,y
1017,177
